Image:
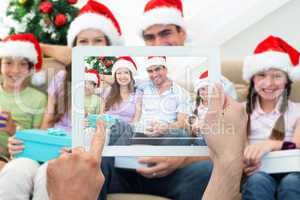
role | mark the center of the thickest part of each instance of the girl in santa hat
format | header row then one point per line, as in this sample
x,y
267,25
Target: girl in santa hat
x,y
22,106
274,121
95,25
122,100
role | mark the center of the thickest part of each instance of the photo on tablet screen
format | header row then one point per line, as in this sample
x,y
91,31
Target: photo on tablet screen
x,y
152,99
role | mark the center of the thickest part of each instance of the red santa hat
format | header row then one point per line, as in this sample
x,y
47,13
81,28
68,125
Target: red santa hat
x,y
95,15
201,82
125,62
156,60
162,12
273,53
92,75
22,45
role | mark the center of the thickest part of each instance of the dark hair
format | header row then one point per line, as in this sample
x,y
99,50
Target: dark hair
x,y
198,101
278,132
114,96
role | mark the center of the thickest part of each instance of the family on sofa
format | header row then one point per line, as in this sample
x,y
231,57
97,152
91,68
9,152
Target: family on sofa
x,y
273,120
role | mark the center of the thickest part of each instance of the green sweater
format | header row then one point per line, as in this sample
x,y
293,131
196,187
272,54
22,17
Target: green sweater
x,y
27,109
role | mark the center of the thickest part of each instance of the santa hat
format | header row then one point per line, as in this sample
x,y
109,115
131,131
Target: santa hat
x,y
201,82
125,62
22,45
156,60
95,15
162,12
92,75
273,53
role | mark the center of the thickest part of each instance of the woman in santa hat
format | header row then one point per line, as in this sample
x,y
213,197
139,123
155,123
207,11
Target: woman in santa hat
x,y
274,121
95,25
122,100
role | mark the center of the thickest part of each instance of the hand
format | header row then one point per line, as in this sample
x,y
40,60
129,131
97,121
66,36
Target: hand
x,y
160,166
254,152
78,171
14,146
225,134
157,129
224,127
197,126
8,125
252,168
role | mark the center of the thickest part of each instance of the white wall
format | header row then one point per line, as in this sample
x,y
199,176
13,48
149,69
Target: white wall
x,y
284,22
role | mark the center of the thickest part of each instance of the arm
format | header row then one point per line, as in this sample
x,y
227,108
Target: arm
x,y
226,144
296,137
49,114
138,110
107,78
40,111
61,53
102,107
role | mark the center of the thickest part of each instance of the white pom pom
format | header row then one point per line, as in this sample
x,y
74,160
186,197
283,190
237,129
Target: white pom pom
x,y
38,78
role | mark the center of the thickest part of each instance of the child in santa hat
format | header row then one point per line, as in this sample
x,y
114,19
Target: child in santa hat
x,y
95,25
22,106
91,101
274,121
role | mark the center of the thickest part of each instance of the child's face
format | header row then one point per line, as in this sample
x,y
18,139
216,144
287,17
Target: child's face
x,y
91,37
89,88
14,70
270,84
123,76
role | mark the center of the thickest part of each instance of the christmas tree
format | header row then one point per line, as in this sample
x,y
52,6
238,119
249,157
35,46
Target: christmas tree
x,y
48,20
102,64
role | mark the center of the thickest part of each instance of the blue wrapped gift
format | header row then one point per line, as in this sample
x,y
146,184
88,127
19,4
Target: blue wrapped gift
x,y
108,119
43,145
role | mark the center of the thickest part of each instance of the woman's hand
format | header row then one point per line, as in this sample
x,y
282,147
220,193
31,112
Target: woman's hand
x,y
14,146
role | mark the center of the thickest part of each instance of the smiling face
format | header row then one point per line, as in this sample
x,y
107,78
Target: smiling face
x,y
123,76
164,35
15,71
157,74
91,37
270,84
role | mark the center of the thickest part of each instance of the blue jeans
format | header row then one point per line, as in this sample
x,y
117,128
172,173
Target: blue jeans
x,y
263,186
188,183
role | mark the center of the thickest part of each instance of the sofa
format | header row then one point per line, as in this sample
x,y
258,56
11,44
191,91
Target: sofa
x,y
230,69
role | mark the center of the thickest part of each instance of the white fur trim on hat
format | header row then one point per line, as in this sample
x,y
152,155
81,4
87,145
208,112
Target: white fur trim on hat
x,y
295,73
94,21
18,49
265,61
162,15
124,64
91,77
200,84
156,61
38,78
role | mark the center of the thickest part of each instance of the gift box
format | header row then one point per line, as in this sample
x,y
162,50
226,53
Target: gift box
x,y
43,145
108,119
